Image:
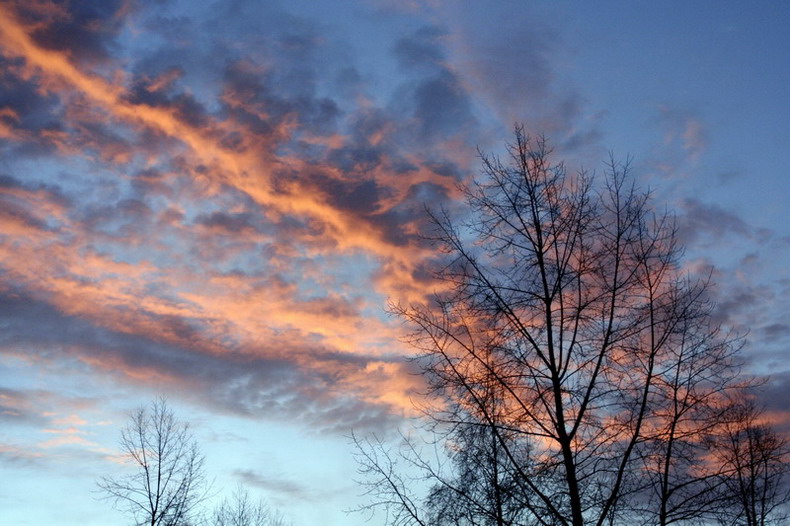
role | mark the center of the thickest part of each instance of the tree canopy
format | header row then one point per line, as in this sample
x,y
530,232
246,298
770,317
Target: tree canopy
x,y
576,372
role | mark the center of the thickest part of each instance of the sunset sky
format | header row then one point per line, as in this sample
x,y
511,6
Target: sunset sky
x,y
215,201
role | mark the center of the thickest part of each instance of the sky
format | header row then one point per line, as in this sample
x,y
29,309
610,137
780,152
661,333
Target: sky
x,y
216,201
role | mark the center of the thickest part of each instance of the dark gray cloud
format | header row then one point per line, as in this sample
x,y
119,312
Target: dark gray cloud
x,y
359,196
282,83
280,487
17,212
46,122
85,29
184,106
773,397
776,332
442,106
124,218
33,117
435,98
259,100
513,61
422,49
701,221
229,223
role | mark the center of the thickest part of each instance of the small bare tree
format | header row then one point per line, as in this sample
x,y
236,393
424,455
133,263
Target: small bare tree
x,y
680,484
240,510
167,481
756,487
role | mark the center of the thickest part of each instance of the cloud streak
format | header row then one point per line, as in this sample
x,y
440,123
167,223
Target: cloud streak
x,y
240,245
230,218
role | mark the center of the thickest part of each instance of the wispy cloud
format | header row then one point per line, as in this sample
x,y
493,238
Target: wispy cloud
x,y
242,237
227,215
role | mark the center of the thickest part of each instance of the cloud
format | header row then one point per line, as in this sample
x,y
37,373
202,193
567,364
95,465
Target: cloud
x,y
282,487
776,332
18,456
229,223
773,395
49,421
281,380
684,129
85,30
227,216
441,105
422,49
509,63
708,222
23,406
435,98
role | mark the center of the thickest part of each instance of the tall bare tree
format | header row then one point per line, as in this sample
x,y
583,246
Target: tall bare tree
x,y
571,354
166,481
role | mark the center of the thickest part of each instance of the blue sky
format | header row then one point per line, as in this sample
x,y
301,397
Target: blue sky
x,y
215,204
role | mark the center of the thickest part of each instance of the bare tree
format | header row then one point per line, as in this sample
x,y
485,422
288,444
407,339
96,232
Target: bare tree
x,y
571,353
385,483
167,480
680,484
756,488
472,481
480,489
240,510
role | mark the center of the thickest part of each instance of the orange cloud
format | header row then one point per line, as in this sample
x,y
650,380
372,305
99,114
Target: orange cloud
x,y
190,300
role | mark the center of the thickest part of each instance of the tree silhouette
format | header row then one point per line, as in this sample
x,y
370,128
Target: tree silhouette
x,y
240,510
167,481
573,362
756,488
